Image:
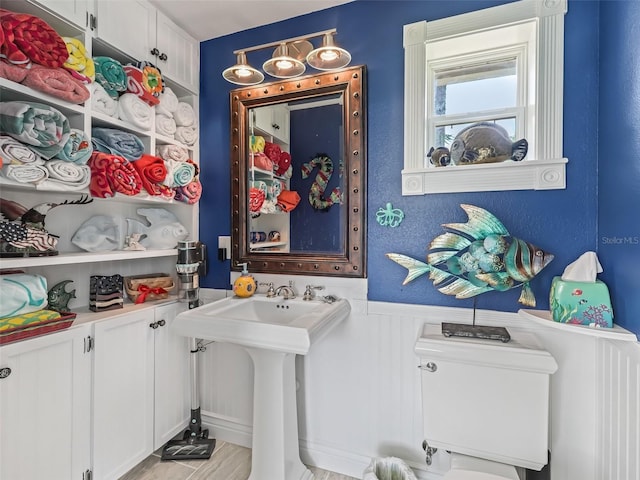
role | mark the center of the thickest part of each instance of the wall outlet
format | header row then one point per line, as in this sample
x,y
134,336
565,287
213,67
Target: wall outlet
x,y
224,248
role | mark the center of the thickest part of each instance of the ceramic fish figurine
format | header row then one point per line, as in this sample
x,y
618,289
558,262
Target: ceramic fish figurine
x,y
485,142
439,157
58,298
476,257
100,233
164,230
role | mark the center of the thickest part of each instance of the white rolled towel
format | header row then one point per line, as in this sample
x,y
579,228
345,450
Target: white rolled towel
x,y
66,176
184,115
101,101
172,152
187,135
24,173
15,152
165,125
168,102
134,110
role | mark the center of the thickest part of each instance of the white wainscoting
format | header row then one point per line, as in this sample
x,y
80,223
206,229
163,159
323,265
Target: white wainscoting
x,y
360,398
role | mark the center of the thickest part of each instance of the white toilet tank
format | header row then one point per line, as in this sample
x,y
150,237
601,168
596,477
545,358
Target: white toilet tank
x,y
486,398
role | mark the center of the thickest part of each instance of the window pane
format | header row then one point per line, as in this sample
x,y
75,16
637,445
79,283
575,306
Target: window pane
x,y
475,88
446,134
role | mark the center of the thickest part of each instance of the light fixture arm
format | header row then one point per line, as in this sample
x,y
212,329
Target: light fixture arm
x,y
287,41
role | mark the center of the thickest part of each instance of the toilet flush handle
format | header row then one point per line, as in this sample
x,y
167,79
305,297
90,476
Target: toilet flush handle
x,y
429,367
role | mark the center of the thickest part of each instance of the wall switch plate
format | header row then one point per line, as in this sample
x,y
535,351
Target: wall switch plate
x,y
224,248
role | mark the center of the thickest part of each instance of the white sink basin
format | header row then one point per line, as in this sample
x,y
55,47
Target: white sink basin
x,y
289,326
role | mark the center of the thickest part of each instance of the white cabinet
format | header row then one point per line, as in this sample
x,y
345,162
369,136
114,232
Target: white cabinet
x,y
73,10
273,122
45,407
122,394
141,31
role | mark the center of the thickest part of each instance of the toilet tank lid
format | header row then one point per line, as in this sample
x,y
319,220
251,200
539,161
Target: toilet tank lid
x,y
522,352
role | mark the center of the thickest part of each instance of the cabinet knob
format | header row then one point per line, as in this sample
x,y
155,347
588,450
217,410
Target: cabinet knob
x,y
275,126
155,52
161,323
5,372
154,325
429,367
163,57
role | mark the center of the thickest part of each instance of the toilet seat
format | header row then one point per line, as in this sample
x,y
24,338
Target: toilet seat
x,y
464,467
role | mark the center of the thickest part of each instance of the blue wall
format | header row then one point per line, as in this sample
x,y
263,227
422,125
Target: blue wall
x,y
563,222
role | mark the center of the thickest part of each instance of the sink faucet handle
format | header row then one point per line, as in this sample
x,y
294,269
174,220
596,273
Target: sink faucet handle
x,y
308,293
271,292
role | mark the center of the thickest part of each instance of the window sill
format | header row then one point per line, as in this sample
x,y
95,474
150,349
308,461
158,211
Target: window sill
x,y
526,175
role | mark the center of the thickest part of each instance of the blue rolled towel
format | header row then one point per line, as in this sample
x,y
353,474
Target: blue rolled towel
x,y
117,142
78,148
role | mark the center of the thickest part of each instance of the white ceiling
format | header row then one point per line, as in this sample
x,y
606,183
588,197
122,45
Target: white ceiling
x,y
206,19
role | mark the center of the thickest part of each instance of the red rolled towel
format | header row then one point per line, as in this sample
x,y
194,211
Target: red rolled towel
x,y
152,171
111,174
190,193
29,38
56,82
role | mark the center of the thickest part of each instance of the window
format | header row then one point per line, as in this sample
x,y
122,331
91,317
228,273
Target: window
x,y
501,65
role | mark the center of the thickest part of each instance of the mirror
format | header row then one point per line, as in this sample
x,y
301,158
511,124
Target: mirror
x,y
298,165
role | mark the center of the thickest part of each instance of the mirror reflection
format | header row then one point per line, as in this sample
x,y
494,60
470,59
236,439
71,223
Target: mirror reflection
x,y
298,167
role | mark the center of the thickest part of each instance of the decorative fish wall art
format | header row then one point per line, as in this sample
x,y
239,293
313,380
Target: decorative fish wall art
x,y
476,257
482,142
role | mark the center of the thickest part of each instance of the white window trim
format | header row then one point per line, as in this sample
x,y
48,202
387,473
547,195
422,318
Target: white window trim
x,y
548,170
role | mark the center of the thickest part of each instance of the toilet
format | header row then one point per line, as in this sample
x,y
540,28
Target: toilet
x,y
486,402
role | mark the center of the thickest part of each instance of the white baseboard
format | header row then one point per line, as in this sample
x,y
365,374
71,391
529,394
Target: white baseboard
x,y
228,430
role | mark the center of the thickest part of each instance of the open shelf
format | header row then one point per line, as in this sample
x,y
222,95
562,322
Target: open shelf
x,y
84,257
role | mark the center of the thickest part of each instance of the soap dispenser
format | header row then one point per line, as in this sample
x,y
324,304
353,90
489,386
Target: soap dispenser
x,y
245,284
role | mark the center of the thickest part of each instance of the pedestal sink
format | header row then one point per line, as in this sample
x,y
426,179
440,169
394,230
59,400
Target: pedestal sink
x,y
273,331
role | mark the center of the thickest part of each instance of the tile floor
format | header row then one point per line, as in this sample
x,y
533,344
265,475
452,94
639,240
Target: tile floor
x,y
228,462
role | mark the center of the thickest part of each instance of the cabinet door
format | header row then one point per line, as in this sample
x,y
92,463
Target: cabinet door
x,y
179,57
45,406
123,393
172,387
280,123
128,25
73,10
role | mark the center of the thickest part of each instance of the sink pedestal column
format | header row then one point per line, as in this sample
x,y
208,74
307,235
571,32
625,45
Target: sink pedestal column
x,y
275,450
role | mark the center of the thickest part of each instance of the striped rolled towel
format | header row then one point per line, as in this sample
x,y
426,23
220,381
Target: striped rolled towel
x,y
79,63
41,126
111,75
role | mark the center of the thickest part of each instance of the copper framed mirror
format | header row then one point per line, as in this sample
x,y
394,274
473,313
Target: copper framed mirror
x,y
298,166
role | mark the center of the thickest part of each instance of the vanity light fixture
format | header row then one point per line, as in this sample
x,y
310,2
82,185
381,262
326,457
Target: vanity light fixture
x,y
289,57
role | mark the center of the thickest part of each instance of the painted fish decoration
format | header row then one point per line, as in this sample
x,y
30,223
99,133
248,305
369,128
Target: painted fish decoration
x,y
476,257
485,142
164,230
58,298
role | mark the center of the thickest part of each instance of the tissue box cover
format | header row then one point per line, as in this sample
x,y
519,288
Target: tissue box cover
x,y
581,303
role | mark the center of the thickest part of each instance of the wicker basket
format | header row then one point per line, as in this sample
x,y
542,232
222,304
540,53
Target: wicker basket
x,y
151,281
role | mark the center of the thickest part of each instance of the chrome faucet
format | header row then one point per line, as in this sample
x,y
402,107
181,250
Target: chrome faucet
x,y
286,291
308,293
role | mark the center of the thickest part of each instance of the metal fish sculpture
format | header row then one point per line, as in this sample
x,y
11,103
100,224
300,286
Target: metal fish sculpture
x,y
58,298
485,142
164,230
476,257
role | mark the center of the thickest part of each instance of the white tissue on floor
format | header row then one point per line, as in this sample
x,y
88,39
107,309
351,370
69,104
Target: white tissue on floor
x,y
584,269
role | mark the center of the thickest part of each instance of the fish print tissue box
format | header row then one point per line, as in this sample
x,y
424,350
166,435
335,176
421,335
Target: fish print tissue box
x,y
581,303
106,292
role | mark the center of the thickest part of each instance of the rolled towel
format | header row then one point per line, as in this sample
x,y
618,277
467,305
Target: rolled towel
x,y
153,172
132,109
184,115
36,124
117,142
145,81
101,101
25,173
78,148
29,38
79,60
15,73
168,102
189,193
165,125
173,152
66,176
187,135
111,75
179,174
56,82
16,153
111,174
